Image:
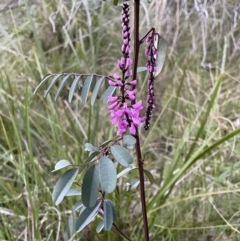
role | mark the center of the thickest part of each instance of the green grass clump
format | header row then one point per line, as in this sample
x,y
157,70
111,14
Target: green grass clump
x,y
192,148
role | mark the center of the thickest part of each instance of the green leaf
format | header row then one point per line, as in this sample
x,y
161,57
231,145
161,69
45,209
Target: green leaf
x,y
61,85
63,185
90,147
100,227
121,155
162,52
108,174
91,156
96,90
134,184
73,88
109,92
86,88
54,80
61,164
90,186
42,82
73,192
105,143
77,205
126,170
114,213
115,2
108,215
129,140
149,176
87,216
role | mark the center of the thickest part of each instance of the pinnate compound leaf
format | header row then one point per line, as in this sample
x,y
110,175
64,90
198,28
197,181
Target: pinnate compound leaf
x,y
90,186
86,88
42,82
130,141
63,185
87,216
96,90
126,170
100,227
61,164
73,87
109,92
108,215
121,155
162,52
61,85
149,176
73,192
108,174
54,80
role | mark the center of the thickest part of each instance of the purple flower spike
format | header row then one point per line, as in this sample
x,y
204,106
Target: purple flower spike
x,y
151,53
125,115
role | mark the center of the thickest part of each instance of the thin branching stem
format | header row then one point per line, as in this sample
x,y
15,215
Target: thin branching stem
x,y
138,147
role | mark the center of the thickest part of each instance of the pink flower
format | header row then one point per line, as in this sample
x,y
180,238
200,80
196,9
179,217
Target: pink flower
x,y
131,94
133,82
112,99
138,105
132,129
112,83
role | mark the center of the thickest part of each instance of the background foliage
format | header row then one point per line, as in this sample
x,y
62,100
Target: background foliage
x,y
198,104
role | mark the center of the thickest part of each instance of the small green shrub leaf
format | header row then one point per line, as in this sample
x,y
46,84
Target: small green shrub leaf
x,y
105,143
162,52
54,80
87,216
108,215
114,212
86,88
121,155
63,185
61,164
73,192
42,82
90,147
109,92
77,205
100,227
149,176
134,184
130,141
108,174
96,90
73,87
61,85
90,186
91,156
126,170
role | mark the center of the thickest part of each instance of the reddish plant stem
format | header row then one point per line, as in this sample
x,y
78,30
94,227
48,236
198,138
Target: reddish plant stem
x,y
138,147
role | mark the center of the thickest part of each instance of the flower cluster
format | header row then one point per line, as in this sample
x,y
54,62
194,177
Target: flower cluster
x,y
151,53
125,115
